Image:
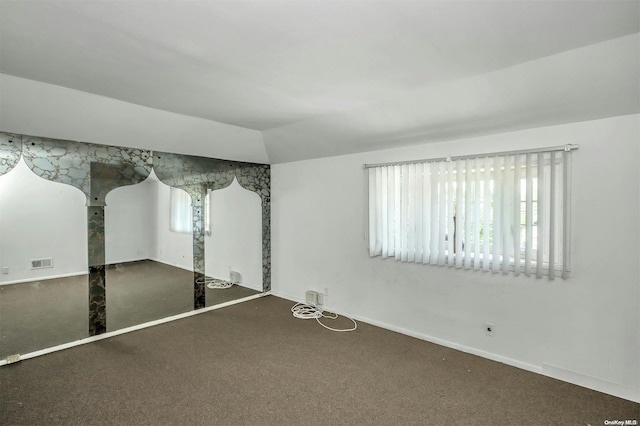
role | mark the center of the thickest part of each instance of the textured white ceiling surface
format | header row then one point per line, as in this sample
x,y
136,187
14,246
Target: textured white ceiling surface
x,y
316,76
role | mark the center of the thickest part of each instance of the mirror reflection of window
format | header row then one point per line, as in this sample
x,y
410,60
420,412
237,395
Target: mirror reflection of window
x,y
181,214
207,213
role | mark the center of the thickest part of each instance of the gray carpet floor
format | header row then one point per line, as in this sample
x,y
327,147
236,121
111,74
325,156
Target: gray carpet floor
x,y
254,364
44,313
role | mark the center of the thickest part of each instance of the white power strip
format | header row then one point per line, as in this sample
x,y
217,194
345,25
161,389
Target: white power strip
x,y
314,298
311,297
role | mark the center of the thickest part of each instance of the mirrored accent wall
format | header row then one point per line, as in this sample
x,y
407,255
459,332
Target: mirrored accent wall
x,y
129,260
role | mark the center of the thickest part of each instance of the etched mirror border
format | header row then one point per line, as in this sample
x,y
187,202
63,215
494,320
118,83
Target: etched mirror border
x,y
10,152
98,169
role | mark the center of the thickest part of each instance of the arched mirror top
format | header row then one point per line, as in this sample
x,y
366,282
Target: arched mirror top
x,y
197,174
10,151
256,179
94,169
235,186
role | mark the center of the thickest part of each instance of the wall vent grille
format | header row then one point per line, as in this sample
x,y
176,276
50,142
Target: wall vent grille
x,y
46,262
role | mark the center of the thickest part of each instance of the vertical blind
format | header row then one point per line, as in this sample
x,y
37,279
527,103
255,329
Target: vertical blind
x,y
504,213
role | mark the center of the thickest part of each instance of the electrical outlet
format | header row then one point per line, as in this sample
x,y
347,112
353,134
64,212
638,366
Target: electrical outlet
x,y
326,291
320,299
489,329
5,270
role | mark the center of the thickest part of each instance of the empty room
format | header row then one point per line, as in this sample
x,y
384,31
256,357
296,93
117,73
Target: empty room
x,y
278,212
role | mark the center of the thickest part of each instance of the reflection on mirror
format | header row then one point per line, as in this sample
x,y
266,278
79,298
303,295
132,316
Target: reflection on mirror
x,y
233,244
149,268
43,256
92,241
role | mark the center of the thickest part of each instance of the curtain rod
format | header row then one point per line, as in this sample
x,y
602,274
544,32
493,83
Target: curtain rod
x,y
567,147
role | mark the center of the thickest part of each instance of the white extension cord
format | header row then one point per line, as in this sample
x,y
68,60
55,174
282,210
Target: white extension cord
x,y
214,283
307,311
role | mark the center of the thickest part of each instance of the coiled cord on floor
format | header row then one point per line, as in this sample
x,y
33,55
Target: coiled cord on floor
x,y
214,283
308,311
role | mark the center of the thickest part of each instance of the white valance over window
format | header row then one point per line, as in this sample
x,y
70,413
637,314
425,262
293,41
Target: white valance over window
x,y
500,213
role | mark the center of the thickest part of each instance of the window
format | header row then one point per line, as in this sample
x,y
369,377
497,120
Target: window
x,y
502,213
181,214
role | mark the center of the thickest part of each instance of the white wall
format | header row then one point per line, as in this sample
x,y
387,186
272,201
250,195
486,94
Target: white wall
x,y
33,108
129,217
40,218
236,235
585,330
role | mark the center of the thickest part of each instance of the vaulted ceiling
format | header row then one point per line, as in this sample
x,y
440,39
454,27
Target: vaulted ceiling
x,y
321,78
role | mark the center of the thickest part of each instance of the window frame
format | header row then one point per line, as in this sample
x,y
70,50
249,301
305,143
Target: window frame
x,y
464,173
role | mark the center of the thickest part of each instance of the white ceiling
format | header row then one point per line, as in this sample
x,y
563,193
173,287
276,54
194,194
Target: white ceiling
x,y
323,78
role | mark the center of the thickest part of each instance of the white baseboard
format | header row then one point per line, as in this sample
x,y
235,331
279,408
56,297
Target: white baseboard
x,y
133,328
190,269
115,262
48,277
74,274
243,284
590,382
555,372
